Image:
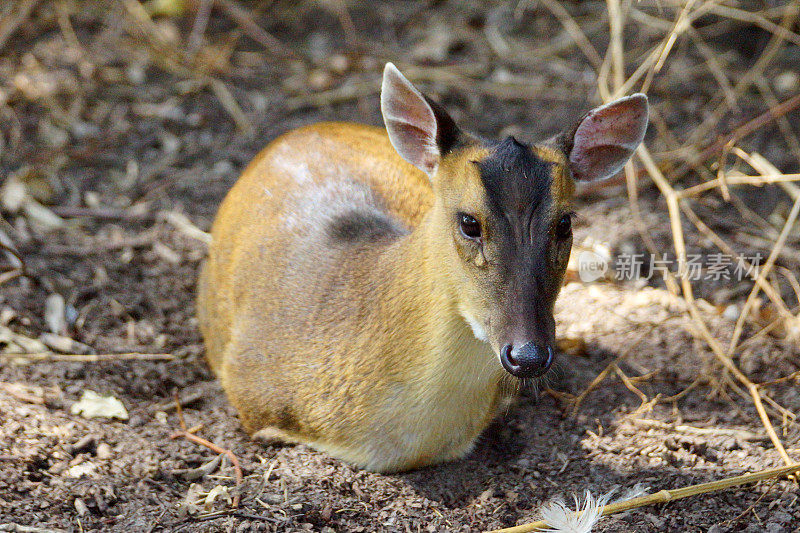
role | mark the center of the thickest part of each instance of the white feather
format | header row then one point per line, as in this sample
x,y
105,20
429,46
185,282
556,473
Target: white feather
x,y
561,519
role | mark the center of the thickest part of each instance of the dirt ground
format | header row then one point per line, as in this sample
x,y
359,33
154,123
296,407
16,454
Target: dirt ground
x,y
124,132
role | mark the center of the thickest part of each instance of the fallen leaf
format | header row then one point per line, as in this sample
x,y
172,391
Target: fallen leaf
x,y
213,494
92,405
86,468
189,505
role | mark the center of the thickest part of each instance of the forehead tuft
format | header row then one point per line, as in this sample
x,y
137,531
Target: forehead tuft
x,y
516,179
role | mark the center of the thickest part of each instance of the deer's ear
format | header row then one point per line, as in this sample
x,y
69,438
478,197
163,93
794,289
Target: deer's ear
x,y
606,137
419,129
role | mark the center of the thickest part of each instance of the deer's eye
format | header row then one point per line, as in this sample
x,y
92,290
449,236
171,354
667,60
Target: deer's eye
x,y
564,227
470,227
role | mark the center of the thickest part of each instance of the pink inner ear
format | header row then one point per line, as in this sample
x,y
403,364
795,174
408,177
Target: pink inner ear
x,y
403,104
410,121
407,139
607,137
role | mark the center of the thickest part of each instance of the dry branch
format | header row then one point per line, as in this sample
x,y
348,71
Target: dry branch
x,y
91,358
665,496
189,435
253,30
614,68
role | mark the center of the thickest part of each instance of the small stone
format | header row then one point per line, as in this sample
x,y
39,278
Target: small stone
x,y
339,63
103,451
93,405
83,469
91,199
787,81
731,312
170,143
81,129
135,73
319,80
223,168
81,507
13,194
7,315
63,344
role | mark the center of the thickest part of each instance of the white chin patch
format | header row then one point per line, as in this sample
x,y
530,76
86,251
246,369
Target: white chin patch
x,y
477,329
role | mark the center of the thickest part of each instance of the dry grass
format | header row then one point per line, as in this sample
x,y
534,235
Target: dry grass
x,y
674,24
615,57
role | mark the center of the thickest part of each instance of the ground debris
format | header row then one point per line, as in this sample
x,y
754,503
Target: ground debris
x,y
92,405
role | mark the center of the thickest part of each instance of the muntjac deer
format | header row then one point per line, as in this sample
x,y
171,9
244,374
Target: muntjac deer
x,y
367,291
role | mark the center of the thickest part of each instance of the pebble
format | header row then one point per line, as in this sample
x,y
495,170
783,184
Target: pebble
x,y
63,344
104,451
223,167
319,79
731,312
787,81
339,63
135,73
81,507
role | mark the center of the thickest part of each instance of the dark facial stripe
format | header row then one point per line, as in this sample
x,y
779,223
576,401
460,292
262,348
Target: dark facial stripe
x,y
518,189
517,182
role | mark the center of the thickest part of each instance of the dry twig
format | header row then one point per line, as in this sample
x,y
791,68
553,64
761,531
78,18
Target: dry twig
x,y
91,358
665,496
189,435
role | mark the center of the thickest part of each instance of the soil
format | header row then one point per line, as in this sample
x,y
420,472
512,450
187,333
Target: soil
x,y
106,134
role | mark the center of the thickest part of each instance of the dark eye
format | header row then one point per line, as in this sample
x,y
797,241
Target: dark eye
x,y
564,227
470,227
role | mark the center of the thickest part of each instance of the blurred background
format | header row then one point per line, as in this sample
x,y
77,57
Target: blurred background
x,y
123,124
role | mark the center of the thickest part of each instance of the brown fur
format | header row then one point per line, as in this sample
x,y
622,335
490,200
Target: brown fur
x,y
355,341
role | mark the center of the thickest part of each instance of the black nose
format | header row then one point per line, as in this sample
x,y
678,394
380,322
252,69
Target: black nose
x,y
528,361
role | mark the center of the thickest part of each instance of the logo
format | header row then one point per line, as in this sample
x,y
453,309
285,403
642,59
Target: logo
x,y
591,266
